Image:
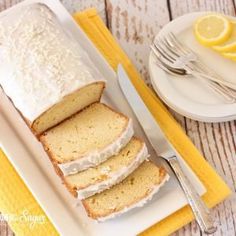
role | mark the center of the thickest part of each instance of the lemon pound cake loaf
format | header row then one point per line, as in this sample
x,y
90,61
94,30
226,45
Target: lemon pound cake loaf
x,y
43,70
134,191
87,139
94,180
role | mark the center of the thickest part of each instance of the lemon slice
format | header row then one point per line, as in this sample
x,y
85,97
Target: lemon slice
x,y
212,29
230,55
230,44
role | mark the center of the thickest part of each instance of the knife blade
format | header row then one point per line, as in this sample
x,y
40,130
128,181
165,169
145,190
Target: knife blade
x,y
165,150
152,130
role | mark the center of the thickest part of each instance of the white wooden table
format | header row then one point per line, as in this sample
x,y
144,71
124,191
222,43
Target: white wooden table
x,y
134,23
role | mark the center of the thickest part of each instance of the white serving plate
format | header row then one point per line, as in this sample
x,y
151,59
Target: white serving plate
x,y
190,97
30,161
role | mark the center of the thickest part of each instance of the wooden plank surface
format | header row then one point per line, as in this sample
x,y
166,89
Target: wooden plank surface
x,y
215,141
134,23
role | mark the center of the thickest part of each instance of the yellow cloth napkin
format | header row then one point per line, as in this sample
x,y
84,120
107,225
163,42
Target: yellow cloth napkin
x,y
16,198
19,206
217,190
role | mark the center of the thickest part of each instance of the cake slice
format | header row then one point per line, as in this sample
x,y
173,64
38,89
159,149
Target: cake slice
x,y
44,71
94,180
87,139
134,191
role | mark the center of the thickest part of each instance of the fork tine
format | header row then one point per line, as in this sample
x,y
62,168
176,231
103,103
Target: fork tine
x,y
184,49
158,54
162,45
170,47
199,65
180,45
164,54
165,67
175,43
161,52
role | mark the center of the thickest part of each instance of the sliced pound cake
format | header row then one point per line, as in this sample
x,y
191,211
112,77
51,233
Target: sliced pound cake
x,y
87,139
44,71
96,179
134,191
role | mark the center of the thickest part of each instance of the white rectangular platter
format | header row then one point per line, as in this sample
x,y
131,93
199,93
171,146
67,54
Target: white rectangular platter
x,y
31,162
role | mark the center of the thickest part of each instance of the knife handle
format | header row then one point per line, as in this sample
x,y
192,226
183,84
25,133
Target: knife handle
x,y
199,208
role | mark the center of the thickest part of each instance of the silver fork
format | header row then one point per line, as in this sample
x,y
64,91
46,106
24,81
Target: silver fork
x,y
170,52
209,74
173,54
178,72
183,74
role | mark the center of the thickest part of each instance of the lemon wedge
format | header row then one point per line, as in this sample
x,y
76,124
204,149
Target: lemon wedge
x,y
212,29
230,55
230,44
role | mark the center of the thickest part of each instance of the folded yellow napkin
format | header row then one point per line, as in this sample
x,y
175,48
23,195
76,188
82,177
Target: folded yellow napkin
x,y
16,198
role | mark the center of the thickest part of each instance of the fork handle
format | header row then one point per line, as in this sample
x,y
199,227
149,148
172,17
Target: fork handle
x,y
212,75
219,81
199,208
227,93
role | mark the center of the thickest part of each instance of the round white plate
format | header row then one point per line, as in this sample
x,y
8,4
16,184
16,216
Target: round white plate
x,y
189,96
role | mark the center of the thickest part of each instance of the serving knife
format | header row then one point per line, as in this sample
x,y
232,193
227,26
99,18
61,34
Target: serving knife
x,y
165,150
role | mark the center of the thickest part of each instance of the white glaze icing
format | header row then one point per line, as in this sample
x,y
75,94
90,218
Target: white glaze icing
x,y
139,204
114,178
40,63
94,158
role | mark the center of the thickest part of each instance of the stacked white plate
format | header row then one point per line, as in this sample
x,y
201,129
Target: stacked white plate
x,y
187,95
